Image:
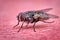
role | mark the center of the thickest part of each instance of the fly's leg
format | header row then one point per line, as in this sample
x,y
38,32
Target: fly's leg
x,y
47,22
27,24
16,24
18,18
34,26
20,27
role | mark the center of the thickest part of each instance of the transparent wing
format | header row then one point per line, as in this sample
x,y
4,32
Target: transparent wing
x,y
45,10
52,16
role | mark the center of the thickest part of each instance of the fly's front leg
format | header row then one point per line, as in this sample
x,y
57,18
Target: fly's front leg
x,y
18,18
20,27
16,24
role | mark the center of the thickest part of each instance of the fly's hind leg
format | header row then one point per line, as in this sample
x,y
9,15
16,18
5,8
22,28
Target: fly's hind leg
x,y
47,22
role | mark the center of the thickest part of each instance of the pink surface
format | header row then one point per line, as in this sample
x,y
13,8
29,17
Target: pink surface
x,y
44,31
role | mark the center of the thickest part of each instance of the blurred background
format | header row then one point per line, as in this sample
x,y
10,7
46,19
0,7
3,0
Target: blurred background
x,y
9,9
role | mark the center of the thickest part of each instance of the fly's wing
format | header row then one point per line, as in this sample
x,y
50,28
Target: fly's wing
x,y
52,16
45,10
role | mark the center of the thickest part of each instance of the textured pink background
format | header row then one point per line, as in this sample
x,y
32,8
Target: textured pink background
x,y
44,31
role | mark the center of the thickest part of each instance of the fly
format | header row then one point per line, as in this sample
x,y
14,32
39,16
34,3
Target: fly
x,y
34,16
